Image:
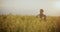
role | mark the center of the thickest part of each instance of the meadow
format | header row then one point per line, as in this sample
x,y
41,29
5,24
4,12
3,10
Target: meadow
x,y
19,23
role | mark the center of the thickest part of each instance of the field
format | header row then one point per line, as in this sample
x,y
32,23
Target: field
x,y
19,23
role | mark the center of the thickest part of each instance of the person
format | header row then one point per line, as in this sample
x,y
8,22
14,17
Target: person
x,y
42,15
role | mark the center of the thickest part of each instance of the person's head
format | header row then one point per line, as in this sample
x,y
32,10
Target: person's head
x,y
41,10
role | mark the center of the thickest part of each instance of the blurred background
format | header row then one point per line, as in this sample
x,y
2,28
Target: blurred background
x,y
30,7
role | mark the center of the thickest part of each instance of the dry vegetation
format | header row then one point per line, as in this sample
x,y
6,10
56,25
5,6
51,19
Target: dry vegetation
x,y
18,23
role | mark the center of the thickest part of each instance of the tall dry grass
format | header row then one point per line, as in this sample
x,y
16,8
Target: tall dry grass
x,y
18,23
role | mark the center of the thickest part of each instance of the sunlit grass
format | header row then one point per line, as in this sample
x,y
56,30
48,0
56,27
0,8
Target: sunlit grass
x,y
18,23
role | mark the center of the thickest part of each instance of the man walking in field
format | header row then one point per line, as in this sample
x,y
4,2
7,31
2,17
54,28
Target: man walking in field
x,y
42,16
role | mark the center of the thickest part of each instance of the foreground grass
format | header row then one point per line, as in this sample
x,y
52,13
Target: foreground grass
x,y
11,23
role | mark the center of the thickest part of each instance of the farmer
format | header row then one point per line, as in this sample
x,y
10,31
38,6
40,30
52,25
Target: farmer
x,y
42,16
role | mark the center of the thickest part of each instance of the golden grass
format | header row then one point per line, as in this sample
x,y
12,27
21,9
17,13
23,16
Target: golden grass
x,y
18,23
